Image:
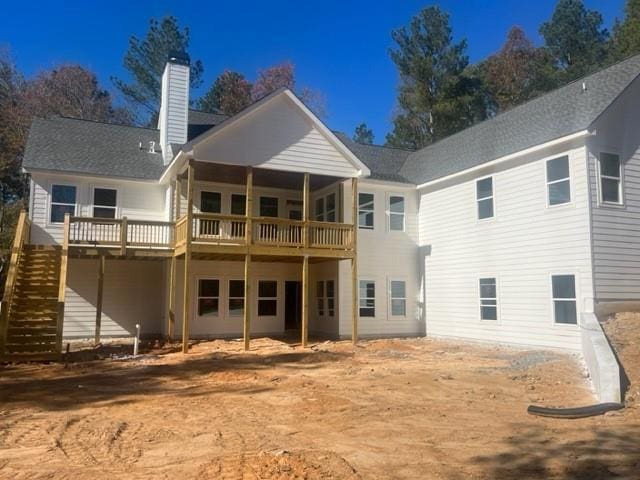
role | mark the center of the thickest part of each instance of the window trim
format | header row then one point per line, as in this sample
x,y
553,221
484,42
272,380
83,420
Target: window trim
x,y
390,297
197,297
547,182
50,200
620,178
373,212
324,214
320,299
278,202
367,298
229,297
237,194
492,197
483,276
93,199
552,300
258,297
390,195
206,190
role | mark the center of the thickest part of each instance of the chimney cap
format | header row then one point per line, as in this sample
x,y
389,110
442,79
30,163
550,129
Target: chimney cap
x,y
179,57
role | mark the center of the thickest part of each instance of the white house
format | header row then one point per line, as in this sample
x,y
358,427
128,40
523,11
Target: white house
x,y
506,232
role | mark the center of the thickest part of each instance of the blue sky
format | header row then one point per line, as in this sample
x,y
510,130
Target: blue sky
x,y
338,47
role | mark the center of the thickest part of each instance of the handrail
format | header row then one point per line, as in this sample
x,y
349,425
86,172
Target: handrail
x,y
121,232
23,231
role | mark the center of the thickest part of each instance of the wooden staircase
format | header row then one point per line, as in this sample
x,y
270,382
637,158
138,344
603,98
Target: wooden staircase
x,y
33,305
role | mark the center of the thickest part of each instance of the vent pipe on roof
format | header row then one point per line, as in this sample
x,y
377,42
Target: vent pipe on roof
x,y
584,87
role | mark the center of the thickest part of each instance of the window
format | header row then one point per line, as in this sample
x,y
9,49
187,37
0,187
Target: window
x,y
268,206
398,291
210,202
208,297
238,204
367,298
236,298
104,202
396,213
320,298
558,183
330,298
326,208
267,298
484,197
365,211
564,299
63,200
610,178
488,299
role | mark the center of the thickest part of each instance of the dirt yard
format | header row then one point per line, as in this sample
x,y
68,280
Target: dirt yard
x,y
414,409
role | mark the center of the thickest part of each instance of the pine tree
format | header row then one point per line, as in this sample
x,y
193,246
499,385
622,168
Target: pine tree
x,y
625,40
363,134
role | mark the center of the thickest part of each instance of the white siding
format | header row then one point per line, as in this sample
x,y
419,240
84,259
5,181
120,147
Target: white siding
x,y
282,138
133,293
522,247
136,200
616,229
174,107
384,255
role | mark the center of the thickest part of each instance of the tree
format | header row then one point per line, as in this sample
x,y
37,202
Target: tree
x,y
437,95
625,40
229,94
575,38
518,72
71,91
145,61
363,134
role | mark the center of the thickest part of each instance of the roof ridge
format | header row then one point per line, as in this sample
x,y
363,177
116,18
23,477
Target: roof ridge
x,y
525,103
388,147
95,121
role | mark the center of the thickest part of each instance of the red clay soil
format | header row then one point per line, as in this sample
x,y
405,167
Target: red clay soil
x,y
414,409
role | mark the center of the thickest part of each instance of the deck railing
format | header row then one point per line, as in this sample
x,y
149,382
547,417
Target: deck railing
x,y
330,235
120,232
278,232
217,229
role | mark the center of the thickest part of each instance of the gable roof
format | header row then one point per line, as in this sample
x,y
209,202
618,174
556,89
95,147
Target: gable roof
x,y
557,114
93,148
385,163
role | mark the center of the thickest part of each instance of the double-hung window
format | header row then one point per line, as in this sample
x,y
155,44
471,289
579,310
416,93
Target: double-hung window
x,y
63,200
326,208
610,172
238,207
396,213
267,298
367,298
104,202
210,202
320,298
398,293
484,197
558,181
365,211
208,297
488,299
236,298
564,299
331,305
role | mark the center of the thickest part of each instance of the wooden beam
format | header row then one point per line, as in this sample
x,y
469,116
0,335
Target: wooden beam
x,y
123,236
249,207
246,330
305,211
354,263
186,310
178,197
172,298
305,300
101,265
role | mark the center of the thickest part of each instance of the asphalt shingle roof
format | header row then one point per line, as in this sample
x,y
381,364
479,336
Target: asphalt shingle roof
x,y
556,114
199,122
81,146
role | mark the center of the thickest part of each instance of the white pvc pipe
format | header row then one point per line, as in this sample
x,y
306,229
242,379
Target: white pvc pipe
x,y
136,339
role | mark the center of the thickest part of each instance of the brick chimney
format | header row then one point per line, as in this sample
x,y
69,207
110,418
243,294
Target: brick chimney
x,y
174,103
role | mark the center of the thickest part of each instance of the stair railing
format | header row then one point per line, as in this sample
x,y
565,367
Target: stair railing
x,y
23,231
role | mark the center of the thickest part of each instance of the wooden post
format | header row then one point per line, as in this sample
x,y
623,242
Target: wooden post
x,y
305,211
355,297
101,265
249,208
172,298
123,236
305,300
178,196
186,311
246,330
62,282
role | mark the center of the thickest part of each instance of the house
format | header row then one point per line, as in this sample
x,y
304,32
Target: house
x,y
267,221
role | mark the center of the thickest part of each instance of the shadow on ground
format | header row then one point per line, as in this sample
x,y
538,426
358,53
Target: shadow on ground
x,y
534,453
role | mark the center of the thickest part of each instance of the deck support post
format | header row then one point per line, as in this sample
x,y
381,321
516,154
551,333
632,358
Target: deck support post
x,y
178,197
172,298
305,211
186,310
354,262
246,329
62,285
101,265
305,300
